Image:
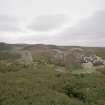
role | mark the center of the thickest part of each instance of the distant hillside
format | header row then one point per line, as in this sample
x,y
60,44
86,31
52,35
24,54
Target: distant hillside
x,y
7,52
46,53
4,46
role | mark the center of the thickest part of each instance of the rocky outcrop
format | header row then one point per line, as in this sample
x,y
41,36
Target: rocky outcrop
x,y
88,62
95,60
104,62
58,57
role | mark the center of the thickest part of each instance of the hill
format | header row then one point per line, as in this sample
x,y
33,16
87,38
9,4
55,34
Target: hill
x,y
50,75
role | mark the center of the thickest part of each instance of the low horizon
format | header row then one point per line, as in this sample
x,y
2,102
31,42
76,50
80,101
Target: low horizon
x,y
49,44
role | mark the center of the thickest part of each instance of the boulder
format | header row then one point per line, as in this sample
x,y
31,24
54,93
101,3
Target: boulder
x,y
58,57
72,58
98,61
103,62
88,65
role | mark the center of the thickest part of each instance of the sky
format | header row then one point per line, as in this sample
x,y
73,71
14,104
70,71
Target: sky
x,y
58,22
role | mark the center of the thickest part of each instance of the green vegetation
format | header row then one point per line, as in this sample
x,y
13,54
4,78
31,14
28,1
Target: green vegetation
x,y
10,56
32,86
41,84
99,51
4,46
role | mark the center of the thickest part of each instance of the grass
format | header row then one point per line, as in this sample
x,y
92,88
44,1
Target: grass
x,y
48,84
42,85
82,71
32,86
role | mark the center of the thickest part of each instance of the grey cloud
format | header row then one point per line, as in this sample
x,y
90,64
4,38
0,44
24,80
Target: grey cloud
x,y
9,24
88,30
48,22
95,24
39,38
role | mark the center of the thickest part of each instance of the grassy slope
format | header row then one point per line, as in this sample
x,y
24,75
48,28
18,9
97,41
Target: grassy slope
x,y
7,52
43,85
33,86
49,84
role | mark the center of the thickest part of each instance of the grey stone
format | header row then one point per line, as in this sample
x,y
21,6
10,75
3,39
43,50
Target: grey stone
x,y
88,65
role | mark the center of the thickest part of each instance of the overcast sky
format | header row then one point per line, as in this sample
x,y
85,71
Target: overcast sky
x,y
61,22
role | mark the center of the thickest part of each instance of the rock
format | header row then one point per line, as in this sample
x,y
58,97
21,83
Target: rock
x,y
98,61
58,57
103,62
95,60
72,59
27,57
88,65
